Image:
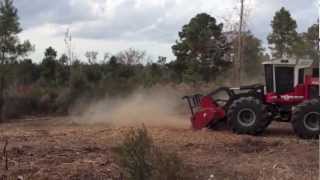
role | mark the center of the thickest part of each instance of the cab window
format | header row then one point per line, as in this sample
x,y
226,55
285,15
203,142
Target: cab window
x,y
315,72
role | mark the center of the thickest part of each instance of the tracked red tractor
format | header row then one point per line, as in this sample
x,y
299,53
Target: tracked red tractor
x,y
291,94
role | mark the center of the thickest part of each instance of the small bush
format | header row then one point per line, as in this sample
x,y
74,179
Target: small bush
x,y
135,153
15,107
64,101
141,160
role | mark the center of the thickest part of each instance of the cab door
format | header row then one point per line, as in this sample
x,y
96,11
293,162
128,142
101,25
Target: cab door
x,y
284,79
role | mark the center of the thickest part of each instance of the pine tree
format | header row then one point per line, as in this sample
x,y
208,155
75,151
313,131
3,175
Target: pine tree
x,y
9,28
49,66
284,35
201,43
10,47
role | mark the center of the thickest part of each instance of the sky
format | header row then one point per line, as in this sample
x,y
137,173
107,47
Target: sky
x,y
150,25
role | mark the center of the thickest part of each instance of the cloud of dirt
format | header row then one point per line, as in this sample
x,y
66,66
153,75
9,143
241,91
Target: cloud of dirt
x,y
158,106
153,107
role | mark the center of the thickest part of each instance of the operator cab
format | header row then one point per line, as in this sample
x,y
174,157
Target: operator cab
x,y
283,75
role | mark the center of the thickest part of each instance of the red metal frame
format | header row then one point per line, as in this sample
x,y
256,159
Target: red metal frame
x,y
210,112
299,94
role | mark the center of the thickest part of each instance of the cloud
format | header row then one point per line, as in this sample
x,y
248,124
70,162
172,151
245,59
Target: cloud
x,y
38,12
154,20
149,24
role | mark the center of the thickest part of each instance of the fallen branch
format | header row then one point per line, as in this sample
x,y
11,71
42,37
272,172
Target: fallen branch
x,y
5,153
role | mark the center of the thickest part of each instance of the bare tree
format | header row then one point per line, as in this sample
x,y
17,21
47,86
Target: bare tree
x,y
69,46
106,57
92,56
131,56
235,23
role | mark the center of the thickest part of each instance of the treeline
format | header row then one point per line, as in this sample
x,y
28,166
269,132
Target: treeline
x,y
204,52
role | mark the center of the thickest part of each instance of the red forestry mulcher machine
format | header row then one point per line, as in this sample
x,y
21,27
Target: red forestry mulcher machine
x,y
291,94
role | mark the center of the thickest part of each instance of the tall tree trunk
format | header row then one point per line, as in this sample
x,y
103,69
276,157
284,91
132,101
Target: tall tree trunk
x,y
2,83
1,97
239,65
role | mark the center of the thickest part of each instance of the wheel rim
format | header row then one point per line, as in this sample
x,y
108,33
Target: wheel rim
x,y
247,117
311,121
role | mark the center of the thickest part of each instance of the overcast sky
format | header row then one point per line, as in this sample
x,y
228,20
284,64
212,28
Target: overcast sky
x,y
151,25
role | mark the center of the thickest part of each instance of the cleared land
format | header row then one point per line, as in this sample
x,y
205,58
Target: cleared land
x,y
57,148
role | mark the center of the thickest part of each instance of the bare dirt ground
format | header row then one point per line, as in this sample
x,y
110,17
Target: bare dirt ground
x,y
57,148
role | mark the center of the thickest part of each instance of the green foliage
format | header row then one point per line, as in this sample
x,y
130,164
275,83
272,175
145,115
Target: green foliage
x,y
62,74
253,56
201,43
78,80
306,45
49,66
155,73
15,107
141,160
312,36
311,42
10,46
26,72
284,34
54,71
64,101
202,53
135,154
9,18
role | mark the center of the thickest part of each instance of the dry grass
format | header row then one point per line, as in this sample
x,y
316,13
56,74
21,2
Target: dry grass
x,y
53,148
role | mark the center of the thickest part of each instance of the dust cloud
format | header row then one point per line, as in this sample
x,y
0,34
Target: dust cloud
x,y
159,107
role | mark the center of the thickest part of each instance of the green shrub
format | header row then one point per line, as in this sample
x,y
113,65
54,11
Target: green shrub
x,y
64,101
15,107
79,81
135,153
141,160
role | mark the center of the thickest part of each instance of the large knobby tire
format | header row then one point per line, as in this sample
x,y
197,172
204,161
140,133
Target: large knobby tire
x,y
306,119
248,115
